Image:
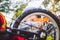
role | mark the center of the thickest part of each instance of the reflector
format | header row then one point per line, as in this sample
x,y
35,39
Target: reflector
x,y
18,38
2,22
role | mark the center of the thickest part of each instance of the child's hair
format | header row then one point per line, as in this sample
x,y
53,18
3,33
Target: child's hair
x,y
38,16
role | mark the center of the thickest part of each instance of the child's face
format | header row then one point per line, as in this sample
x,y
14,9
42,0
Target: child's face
x,y
32,18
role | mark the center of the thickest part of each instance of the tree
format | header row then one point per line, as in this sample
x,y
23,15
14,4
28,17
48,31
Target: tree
x,y
19,11
54,3
4,5
46,2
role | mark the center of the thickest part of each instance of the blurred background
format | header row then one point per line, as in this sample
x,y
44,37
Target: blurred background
x,y
11,9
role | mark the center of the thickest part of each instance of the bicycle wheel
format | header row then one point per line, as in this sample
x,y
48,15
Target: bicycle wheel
x,y
35,19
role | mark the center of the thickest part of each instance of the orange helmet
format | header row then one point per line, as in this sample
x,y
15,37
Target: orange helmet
x,y
44,19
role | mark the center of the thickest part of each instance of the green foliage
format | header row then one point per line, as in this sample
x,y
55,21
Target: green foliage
x,y
50,38
19,11
56,1
0,0
4,7
46,2
54,5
